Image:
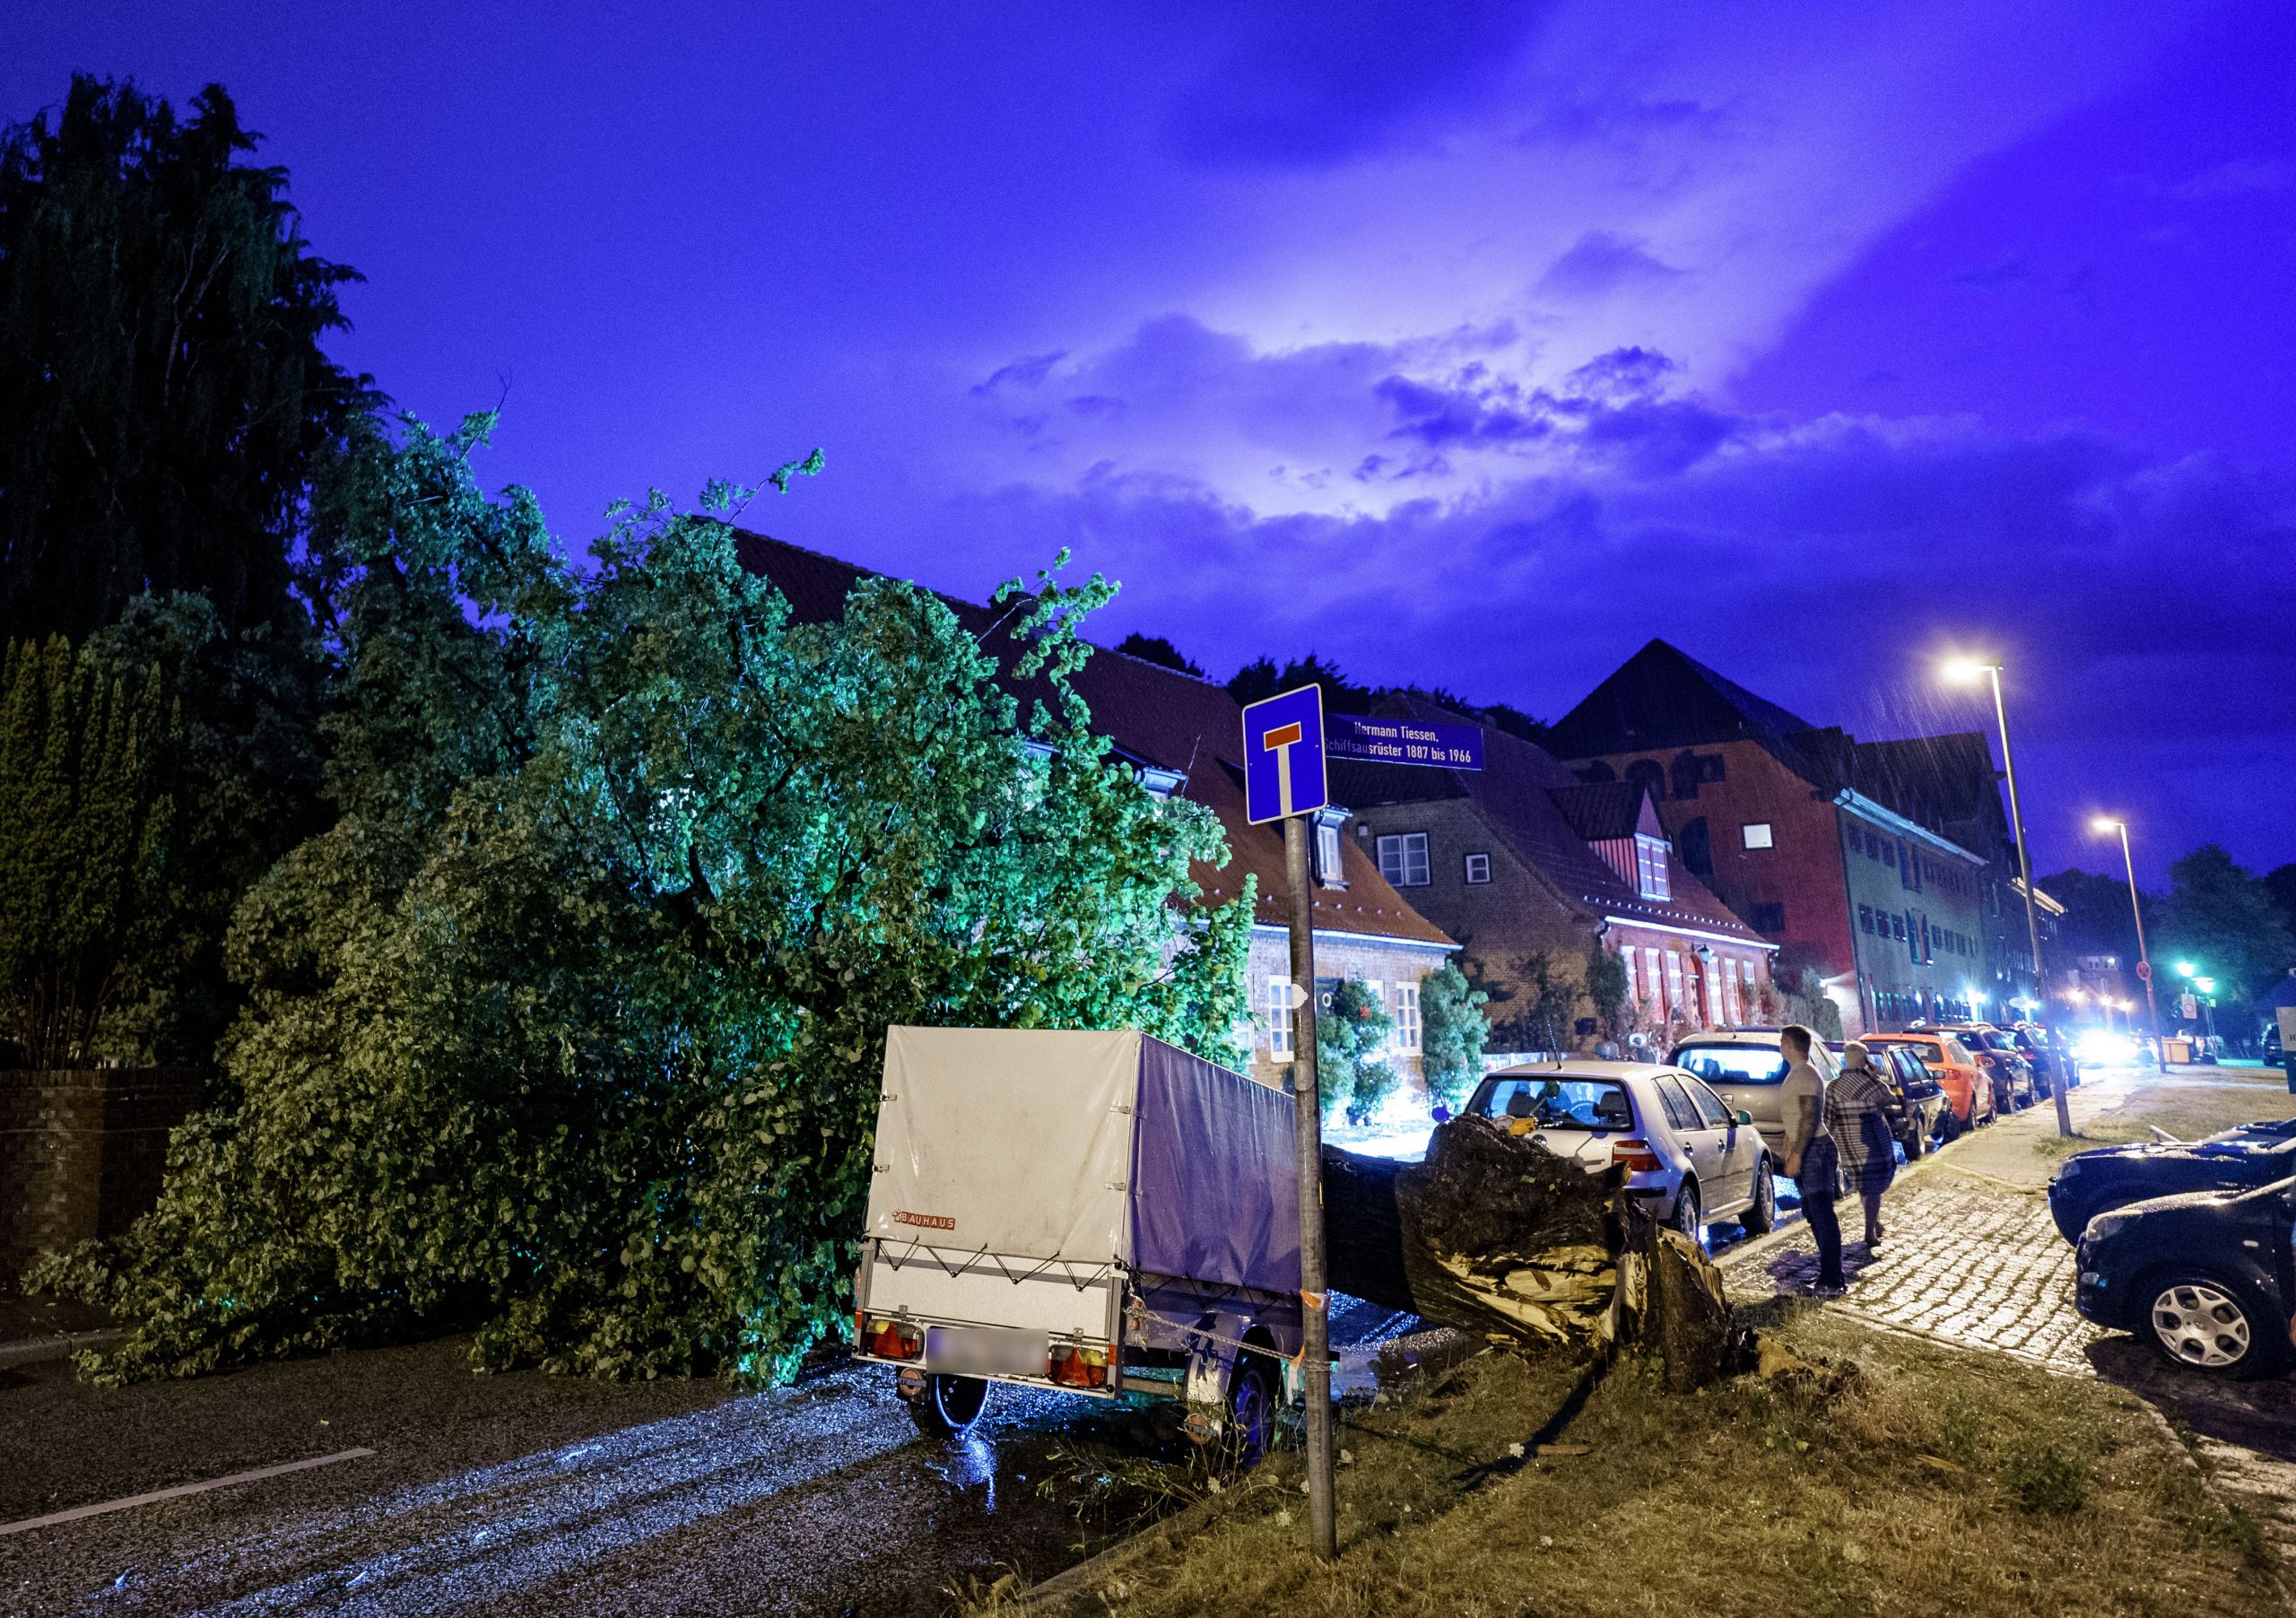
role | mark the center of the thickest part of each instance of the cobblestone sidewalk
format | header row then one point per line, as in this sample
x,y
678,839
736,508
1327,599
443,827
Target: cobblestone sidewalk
x,y
1974,1265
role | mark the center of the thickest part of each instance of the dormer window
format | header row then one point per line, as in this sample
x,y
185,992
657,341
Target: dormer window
x,y
1327,847
1651,876
1160,783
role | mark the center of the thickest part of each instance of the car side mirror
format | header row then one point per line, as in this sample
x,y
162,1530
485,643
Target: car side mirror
x,y
1742,1118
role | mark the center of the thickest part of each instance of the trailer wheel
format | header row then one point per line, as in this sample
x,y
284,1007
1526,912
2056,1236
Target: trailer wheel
x,y
949,1405
1251,1411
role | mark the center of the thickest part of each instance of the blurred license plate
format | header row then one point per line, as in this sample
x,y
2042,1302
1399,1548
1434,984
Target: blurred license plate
x,y
986,1351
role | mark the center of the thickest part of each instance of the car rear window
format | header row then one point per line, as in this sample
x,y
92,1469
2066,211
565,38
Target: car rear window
x,y
1733,1064
1559,1103
1927,1051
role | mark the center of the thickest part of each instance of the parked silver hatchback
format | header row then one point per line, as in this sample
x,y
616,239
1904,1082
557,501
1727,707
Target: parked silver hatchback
x,y
1679,1146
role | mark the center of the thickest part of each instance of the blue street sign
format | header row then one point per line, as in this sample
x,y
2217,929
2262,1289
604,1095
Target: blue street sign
x,y
1283,756
1368,740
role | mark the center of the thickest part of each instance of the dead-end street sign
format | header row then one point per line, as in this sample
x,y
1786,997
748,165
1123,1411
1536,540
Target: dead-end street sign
x,y
1283,756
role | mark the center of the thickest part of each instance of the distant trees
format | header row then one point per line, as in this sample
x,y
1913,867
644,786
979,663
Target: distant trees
x,y
160,375
86,768
1155,648
2218,915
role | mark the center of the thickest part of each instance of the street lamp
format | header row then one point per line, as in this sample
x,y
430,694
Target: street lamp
x,y
2104,823
1968,670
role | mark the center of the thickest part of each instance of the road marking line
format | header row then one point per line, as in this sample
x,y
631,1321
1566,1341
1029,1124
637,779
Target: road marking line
x,y
76,1512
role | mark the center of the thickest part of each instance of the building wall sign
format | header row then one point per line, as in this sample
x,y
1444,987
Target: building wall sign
x,y
1403,741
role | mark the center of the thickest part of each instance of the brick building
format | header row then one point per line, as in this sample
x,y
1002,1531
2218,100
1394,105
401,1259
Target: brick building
x,y
1823,844
1183,735
1521,859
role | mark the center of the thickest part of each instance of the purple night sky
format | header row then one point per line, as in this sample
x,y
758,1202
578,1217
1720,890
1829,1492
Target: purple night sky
x,y
1470,344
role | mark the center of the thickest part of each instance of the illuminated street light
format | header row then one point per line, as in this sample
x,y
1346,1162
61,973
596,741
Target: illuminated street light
x,y
1968,670
2185,969
2206,985
2102,824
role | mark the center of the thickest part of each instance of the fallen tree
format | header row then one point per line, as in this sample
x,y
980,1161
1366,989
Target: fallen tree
x,y
1496,1235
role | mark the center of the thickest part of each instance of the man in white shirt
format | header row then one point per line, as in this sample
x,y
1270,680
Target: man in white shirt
x,y
1812,1160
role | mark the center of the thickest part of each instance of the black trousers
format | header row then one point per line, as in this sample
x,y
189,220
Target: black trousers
x,y
1820,1183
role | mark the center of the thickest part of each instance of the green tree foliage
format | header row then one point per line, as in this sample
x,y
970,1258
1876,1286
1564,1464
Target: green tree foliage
x,y
160,375
571,1027
1546,1001
1804,999
86,806
1606,986
1452,1033
1353,1072
2222,917
246,791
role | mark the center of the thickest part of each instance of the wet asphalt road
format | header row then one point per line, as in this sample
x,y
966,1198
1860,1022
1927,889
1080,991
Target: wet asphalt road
x,y
522,1493
526,1493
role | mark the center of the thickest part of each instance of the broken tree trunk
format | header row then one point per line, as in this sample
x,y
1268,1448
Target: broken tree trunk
x,y
1493,1234
1496,1235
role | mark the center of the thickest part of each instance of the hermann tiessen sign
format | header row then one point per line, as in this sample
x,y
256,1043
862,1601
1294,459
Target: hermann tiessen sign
x,y
1367,741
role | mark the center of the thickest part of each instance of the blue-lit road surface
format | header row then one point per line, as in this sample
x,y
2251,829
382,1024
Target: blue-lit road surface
x,y
1283,756
529,1494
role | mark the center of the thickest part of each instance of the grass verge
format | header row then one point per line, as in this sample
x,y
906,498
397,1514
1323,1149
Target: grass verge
x,y
1934,1481
2187,1110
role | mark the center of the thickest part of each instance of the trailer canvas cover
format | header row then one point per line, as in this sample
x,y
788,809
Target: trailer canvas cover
x,y
1085,1147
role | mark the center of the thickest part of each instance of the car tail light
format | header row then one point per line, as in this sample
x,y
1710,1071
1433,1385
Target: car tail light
x,y
1635,1157
1074,1366
893,1339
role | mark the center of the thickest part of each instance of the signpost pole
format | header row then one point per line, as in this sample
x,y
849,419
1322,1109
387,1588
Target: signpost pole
x,y
1315,1300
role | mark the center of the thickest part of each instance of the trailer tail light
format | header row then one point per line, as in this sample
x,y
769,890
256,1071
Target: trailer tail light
x,y
893,1339
1636,1157
1072,1366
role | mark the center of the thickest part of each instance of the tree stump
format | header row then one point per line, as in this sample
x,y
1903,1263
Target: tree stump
x,y
1496,1235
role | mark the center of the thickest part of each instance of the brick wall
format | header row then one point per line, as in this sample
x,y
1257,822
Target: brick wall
x,y
81,1152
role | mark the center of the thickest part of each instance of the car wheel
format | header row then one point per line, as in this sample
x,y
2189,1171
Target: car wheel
x,y
1915,1143
2209,1325
949,1405
1686,1218
1762,1213
1251,1411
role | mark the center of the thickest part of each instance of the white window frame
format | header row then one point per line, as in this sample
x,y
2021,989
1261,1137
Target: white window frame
x,y
1401,854
1633,984
1478,869
1651,878
1279,1018
1757,834
1406,1016
1328,852
1673,980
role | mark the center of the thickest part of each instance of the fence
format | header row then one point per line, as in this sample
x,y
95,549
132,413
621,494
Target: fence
x,y
81,1152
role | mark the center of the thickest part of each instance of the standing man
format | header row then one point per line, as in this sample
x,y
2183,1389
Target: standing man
x,y
1811,1162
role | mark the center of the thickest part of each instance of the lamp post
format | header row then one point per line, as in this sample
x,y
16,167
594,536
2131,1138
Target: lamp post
x,y
2105,822
1967,671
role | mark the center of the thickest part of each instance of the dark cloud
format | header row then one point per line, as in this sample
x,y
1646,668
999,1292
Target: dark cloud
x,y
1307,88
1020,373
1826,565
1597,263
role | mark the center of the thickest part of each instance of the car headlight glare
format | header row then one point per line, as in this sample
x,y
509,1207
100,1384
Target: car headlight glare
x,y
2106,1226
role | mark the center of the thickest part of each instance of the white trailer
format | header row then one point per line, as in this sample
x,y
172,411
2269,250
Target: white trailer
x,y
1099,1213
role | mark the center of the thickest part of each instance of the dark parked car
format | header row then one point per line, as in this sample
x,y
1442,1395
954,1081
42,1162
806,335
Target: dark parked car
x,y
2050,1054
2004,1064
2208,1278
2090,1183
